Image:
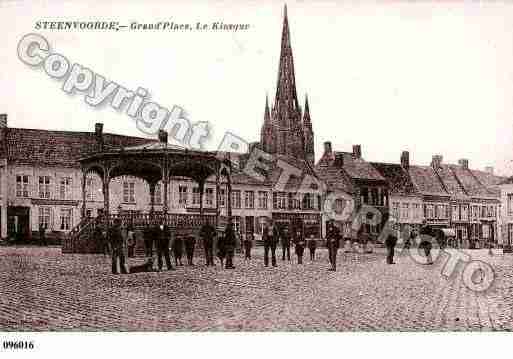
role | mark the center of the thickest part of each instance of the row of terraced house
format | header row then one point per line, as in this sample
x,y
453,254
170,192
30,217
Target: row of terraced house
x,y
41,181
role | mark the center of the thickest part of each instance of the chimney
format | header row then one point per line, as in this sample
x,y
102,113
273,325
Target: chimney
x,y
327,147
339,159
162,136
437,161
463,163
357,151
405,160
98,133
489,169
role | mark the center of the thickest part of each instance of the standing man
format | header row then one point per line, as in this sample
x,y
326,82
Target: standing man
x,y
312,246
426,235
248,243
207,234
390,243
230,242
285,243
333,238
131,241
299,242
177,249
161,234
148,240
269,243
190,242
42,237
118,252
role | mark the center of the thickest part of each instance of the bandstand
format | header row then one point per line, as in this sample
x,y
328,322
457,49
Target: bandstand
x,y
153,162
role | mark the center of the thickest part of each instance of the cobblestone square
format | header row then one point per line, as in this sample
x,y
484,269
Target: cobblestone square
x,y
44,290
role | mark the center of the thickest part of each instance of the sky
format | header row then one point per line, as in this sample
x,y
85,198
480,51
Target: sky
x,y
428,77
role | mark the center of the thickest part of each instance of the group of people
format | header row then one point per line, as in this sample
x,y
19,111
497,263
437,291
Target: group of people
x,y
272,236
425,242
119,240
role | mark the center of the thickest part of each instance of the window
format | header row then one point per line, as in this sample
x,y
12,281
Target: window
x,y
464,232
44,186
22,183
90,189
262,199
66,219
510,204
486,231
455,213
129,192
464,213
406,211
158,194
182,195
236,201
395,210
365,195
279,200
65,188
44,216
416,211
222,197
249,199
430,211
209,197
309,201
195,196
293,201
440,211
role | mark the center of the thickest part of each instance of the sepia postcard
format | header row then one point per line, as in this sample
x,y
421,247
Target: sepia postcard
x,y
255,167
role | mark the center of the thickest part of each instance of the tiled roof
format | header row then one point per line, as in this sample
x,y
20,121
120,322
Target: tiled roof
x,y
470,183
334,178
450,182
398,178
426,181
58,148
487,178
355,168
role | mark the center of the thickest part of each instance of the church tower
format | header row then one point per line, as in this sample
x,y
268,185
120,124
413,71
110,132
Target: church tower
x,y
308,135
285,131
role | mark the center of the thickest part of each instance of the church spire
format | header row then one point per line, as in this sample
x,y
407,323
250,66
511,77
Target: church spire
x,y
307,121
267,116
286,102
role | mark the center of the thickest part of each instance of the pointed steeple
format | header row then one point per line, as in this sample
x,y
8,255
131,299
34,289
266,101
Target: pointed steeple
x,y
307,122
267,116
286,102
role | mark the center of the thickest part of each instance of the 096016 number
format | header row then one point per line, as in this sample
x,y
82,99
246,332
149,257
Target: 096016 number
x,y
14,345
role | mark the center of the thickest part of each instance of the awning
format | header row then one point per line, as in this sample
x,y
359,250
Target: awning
x,y
449,232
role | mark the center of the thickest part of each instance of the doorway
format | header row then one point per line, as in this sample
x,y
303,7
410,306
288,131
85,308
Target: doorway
x,y
18,223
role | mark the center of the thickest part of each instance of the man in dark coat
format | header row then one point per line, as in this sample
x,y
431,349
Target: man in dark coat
x,y
299,244
207,234
221,249
190,242
312,246
178,249
269,244
161,234
230,242
426,236
117,248
248,243
390,243
285,243
333,239
148,241
42,235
